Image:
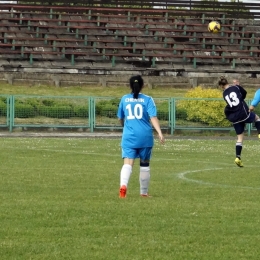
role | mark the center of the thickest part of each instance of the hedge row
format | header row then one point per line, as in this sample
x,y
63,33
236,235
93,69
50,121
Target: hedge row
x,y
28,108
204,111
209,112
28,111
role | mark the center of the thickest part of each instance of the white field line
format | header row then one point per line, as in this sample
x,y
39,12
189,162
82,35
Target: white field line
x,y
113,155
182,175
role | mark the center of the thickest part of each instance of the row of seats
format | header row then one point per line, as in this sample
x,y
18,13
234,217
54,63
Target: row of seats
x,y
123,37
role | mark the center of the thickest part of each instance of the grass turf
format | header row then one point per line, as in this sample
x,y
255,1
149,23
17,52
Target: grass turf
x,y
59,200
118,91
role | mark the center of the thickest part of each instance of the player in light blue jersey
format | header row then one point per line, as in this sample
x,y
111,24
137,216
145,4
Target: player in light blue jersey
x,y
255,101
137,114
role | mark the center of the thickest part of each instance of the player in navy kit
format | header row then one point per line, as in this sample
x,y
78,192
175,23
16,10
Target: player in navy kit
x,y
136,113
238,113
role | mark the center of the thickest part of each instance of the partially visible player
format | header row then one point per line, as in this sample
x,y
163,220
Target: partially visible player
x,y
237,112
137,113
255,101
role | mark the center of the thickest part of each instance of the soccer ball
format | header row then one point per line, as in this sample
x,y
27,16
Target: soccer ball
x,y
214,27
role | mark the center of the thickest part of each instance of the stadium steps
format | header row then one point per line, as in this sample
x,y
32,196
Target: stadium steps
x,y
139,35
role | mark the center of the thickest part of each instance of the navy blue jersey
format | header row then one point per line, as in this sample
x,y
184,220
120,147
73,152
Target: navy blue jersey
x,y
136,113
236,109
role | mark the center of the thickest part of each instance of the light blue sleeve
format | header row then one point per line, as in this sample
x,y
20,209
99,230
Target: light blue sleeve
x,y
256,99
151,109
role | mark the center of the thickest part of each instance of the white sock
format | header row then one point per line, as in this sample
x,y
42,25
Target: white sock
x,y
144,179
125,174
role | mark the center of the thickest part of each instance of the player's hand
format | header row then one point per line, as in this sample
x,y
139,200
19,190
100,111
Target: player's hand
x,y
161,138
251,108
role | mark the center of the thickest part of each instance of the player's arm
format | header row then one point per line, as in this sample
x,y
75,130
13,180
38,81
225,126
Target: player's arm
x,y
121,121
152,111
120,113
255,101
156,125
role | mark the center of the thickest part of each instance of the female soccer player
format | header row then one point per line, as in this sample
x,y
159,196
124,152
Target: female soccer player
x,y
255,102
135,113
237,112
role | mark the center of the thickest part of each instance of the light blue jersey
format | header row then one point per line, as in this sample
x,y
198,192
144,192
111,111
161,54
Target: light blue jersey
x,y
136,113
256,99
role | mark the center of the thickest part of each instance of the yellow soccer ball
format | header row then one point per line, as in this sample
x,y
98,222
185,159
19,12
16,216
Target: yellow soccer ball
x,y
214,27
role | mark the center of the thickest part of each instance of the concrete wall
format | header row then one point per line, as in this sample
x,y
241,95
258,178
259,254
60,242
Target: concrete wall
x,y
185,80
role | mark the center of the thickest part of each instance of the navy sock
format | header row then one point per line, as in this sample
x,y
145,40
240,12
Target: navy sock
x,y
257,125
238,149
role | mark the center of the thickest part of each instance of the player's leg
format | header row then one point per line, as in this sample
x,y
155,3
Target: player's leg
x,y
254,118
239,128
144,177
257,124
240,135
239,147
128,155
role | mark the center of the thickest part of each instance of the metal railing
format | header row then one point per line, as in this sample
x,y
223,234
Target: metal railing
x,y
236,9
99,113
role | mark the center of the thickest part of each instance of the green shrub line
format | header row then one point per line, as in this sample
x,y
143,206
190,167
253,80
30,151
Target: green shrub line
x,y
205,111
33,107
29,108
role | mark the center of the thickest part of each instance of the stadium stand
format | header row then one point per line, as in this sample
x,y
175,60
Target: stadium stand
x,y
107,38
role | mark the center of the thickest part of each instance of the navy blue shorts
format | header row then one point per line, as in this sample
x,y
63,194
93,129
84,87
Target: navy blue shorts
x,y
240,127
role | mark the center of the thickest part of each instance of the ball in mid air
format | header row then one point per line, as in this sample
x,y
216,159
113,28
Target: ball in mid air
x,y
214,27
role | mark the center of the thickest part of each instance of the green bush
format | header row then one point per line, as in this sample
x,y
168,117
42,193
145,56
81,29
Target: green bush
x,y
31,101
49,102
47,111
99,106
107,108
64,111
210,112
81,111
24,111
56,111
181,113
115,101
31,107
3,99
3,108
163,111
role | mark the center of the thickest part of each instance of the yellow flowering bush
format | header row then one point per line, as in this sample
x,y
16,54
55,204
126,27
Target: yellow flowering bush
x,y
209,111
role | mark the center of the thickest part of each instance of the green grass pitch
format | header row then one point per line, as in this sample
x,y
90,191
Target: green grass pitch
x,y
59,200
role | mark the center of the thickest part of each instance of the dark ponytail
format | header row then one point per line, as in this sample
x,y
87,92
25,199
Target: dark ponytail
x,y
223,81
136,84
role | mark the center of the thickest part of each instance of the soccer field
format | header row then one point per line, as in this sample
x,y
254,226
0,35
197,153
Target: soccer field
x,y
59,200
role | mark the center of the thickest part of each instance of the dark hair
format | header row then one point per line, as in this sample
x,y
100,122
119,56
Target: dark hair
x,y
136,84
223,81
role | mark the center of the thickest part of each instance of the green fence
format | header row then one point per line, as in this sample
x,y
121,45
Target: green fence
x,y
50,111
94,113
5,102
